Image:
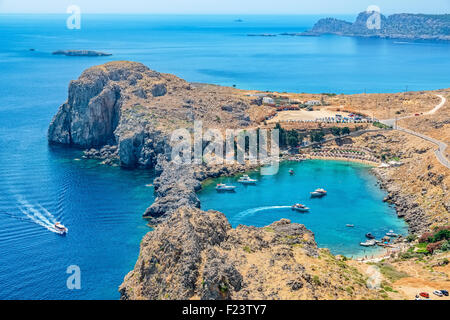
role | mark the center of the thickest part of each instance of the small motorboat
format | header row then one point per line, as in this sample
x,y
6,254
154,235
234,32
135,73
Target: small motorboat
x,y
291,171
245,179
60,228
391,233
349,225
222,187
300,207
370,236
368,243
318,193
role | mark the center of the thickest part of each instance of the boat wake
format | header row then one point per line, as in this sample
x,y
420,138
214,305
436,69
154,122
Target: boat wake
x,y
254,210
36,214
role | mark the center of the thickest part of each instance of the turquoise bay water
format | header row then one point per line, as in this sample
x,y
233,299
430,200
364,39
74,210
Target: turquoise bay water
x,y
102,206
353,198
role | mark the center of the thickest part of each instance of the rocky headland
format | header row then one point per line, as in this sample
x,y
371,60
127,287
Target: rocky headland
x,y
81,53
134,109
123,113
197,255
397,26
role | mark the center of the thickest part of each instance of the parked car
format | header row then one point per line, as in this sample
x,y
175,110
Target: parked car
x,y
444,292
424,294
438,293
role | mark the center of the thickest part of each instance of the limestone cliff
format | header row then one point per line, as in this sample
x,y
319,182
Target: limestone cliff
x,y
396,26
197,255
128,106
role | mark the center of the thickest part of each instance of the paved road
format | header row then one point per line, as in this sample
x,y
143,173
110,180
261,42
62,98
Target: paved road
x,y
440,152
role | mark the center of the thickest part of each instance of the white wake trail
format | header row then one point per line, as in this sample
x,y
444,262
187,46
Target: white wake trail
x,y
40,215
254,210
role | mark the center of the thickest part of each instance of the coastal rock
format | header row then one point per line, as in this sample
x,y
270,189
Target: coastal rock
x,y
197,255
136,109
397,26
81,53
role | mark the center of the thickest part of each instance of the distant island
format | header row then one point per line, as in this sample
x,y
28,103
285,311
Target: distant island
x,y
397,26
81,53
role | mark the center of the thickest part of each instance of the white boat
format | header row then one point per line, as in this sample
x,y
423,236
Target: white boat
x,y
368,243
350,225
391,233
245,179
300,207
60,228
318,193
224,187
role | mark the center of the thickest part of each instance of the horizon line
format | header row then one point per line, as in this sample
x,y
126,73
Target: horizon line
x,y
218,14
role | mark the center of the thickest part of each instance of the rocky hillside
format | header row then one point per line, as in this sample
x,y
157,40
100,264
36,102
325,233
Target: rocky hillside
x,y
197,255
128,111
397,26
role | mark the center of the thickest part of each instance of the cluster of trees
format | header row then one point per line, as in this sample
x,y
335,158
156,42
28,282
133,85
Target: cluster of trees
x,y
336,131
289,138
437,240
293,138
317,136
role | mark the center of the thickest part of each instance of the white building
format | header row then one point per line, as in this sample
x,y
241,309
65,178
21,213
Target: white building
x,y
268,100
313,103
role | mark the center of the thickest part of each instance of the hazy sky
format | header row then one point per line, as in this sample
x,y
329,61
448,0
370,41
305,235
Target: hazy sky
x,y
225,6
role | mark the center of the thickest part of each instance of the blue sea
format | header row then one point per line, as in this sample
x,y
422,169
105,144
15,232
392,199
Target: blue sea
x,y
352,198
102,206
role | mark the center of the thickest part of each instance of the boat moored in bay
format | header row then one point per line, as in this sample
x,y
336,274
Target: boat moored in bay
x,y
245,179
300,207
318,193
370,236
391,233
368,243
222,187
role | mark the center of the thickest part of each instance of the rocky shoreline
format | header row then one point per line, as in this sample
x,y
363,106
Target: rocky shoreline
x,y
177,185
405,204
397,26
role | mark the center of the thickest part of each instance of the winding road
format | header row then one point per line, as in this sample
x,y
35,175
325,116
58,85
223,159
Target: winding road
x,y
442,146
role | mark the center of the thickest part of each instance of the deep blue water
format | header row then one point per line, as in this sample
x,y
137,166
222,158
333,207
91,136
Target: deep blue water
x,y
353,198
102,206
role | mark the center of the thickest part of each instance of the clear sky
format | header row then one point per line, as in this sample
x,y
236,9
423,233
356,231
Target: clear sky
x,y
225,6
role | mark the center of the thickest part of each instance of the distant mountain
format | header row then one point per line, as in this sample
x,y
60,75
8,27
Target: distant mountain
x,y
396,26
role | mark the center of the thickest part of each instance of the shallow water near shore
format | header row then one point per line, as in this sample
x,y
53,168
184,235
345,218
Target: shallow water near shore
x,y
353,198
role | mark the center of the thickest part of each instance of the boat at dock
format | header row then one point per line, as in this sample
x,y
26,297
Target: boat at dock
x,y
370,236
300,207
222,187
318,193
391,233
368,243
245,179
60,228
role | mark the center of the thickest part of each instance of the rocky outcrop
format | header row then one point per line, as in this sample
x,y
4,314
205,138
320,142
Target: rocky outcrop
x,y
177,185
406,204
397,26
125,104
197,255
81,53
